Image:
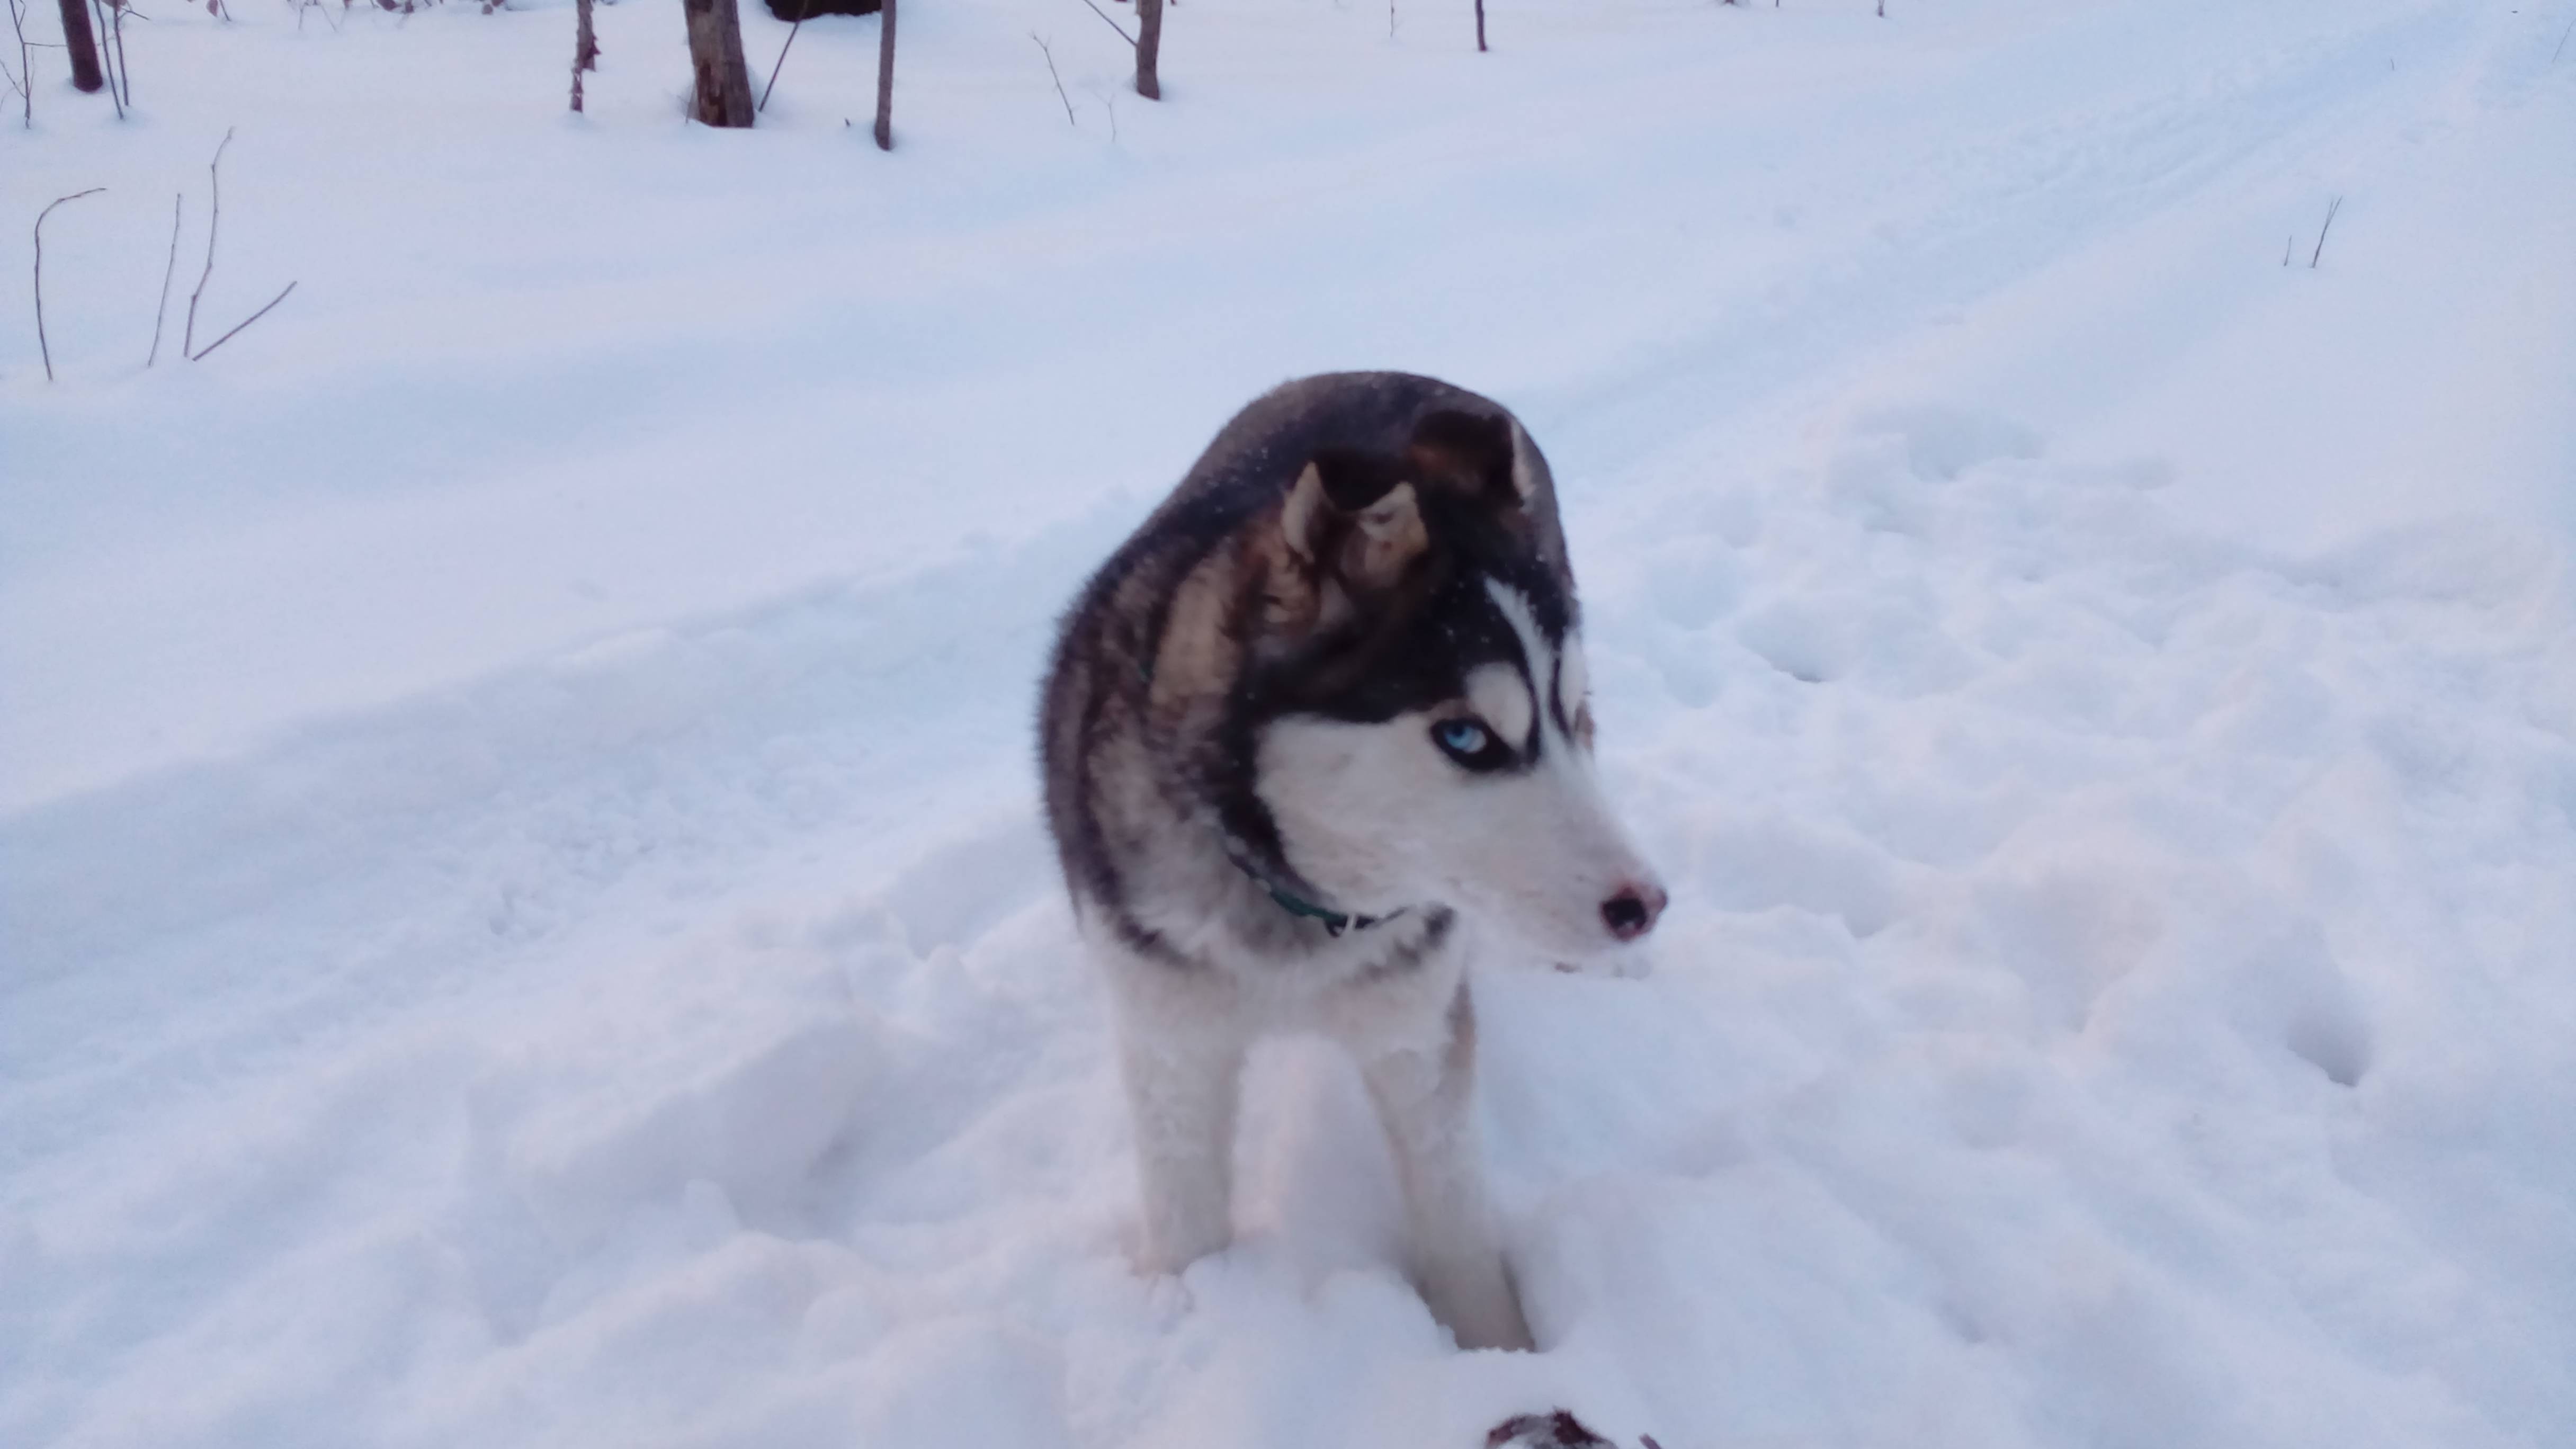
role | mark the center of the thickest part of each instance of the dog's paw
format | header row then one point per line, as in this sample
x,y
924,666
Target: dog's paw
x,y
1557,1430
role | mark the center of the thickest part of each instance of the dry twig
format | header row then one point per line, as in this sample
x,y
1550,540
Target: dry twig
x,y
107,56
188,347
124,76
24,82
178,203
245,322
2331,208
1059,80
111,52
782,57
215,186
43,348
1112,24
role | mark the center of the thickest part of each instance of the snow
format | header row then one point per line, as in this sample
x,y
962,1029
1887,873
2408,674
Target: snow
x,y
522,917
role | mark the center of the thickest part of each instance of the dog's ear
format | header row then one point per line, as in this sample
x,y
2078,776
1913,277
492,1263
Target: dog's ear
x,y
1352,480
1354,515
1471,453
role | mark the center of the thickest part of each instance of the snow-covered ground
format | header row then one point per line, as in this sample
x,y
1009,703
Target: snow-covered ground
x,y
522,918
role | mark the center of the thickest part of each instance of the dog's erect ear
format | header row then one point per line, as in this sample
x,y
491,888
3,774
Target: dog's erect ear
x,y
1355,515
1351,479
1471,453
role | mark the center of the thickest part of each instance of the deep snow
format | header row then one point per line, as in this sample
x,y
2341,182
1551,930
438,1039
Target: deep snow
x,y
521,912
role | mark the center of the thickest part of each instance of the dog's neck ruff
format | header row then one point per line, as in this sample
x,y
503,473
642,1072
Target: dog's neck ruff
x,y
1335,922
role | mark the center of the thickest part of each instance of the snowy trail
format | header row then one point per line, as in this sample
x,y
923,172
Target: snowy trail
x,y
1702,262
630,776
2117,987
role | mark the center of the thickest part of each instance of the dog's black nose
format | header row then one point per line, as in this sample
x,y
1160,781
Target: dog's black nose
x,y
1632,912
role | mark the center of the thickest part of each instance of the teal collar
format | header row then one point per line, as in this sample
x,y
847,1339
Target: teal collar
x,y
1335,922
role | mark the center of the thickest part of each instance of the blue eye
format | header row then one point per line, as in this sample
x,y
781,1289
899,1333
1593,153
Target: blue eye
x,y
1469,743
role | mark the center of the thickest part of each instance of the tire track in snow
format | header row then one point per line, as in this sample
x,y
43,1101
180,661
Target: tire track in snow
x,y
2070,179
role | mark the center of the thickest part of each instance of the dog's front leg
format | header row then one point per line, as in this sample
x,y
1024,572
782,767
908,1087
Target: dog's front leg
x,y
1181,1091
1424,1095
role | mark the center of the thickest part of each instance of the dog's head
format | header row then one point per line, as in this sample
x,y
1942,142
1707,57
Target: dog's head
x,y
1415,699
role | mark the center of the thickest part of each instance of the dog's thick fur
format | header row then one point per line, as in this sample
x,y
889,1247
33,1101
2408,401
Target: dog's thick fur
x,y
1320,716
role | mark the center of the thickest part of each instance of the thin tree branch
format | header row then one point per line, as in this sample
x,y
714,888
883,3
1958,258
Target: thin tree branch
x,y
107,56
2331,208
215,185
124,76
245,322
161,313
1112,24
1059,81
25,81
44,348
801,12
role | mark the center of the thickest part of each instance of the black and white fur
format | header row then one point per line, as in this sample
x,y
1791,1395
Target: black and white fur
x,y
1323,715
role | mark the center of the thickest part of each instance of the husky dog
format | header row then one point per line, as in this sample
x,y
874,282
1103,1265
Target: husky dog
x,y
1321,714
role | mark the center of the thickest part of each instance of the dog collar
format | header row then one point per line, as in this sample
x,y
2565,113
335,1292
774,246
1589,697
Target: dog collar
x,y
1335,922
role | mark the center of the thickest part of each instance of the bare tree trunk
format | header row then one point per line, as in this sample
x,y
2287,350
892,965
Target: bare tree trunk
x,y
1149,48
885,77
585,48
83,46
722,93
